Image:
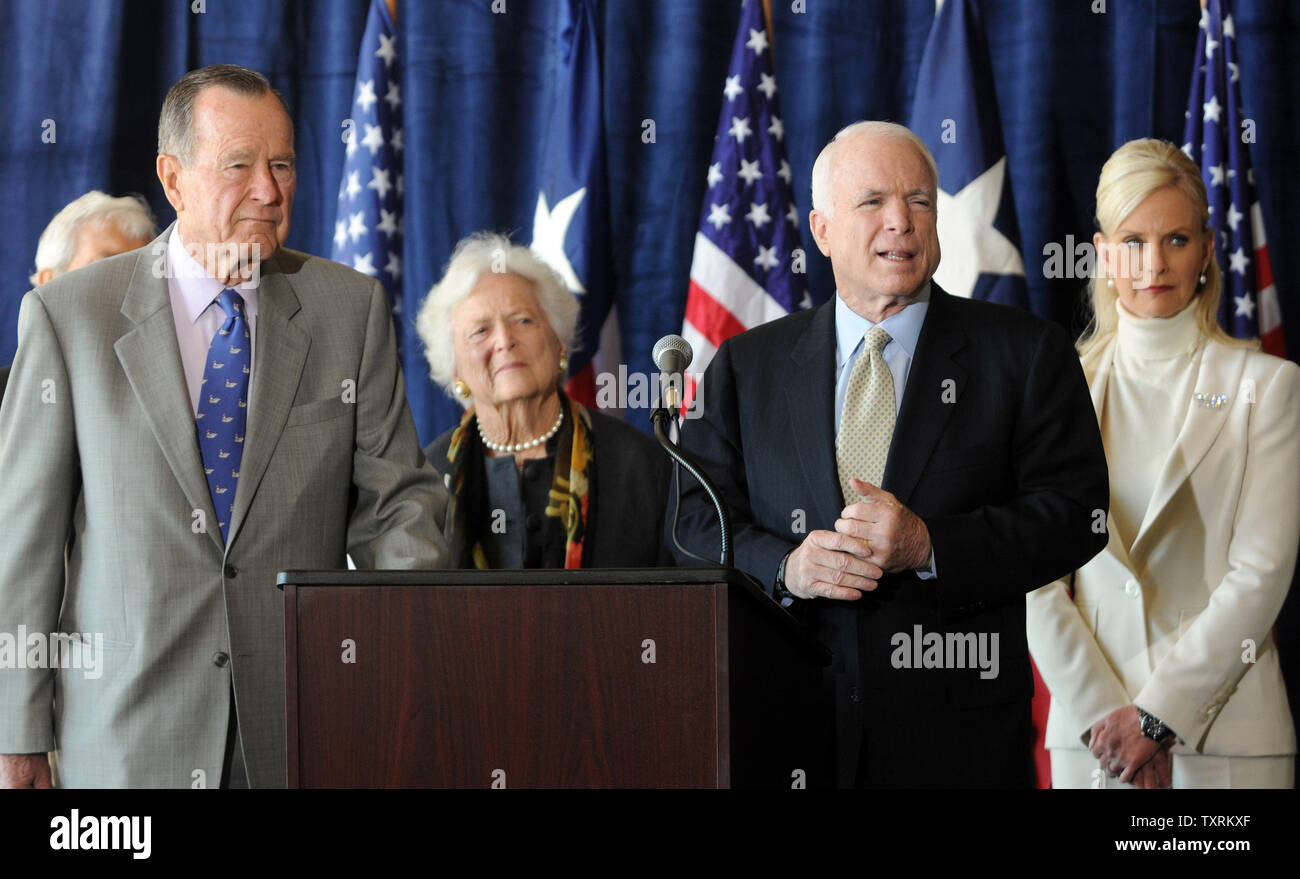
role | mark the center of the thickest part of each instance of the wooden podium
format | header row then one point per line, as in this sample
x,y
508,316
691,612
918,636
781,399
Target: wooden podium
x,y
646,678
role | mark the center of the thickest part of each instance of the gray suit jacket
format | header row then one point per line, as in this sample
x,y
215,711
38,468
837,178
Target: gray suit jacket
x,y
111,530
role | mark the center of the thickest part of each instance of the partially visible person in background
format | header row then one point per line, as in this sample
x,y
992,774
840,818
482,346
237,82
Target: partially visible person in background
x,y
1160,653
86,229
536,480
90,228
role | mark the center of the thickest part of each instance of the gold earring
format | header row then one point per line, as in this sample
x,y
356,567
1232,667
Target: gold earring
x,y
564,363
460,389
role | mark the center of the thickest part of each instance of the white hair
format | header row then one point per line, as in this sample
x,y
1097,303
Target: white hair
x,y
58,243
821,172
479,253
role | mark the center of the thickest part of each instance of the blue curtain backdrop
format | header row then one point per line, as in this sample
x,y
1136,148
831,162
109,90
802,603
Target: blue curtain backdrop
x,y
1072,84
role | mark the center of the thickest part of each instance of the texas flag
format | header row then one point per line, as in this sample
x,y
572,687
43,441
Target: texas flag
x,y
955,112
571,223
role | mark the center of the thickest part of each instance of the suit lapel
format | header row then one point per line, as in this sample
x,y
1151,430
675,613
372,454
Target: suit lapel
x,y
1097,369
926,408
1219,373
811,398
279,355
151,361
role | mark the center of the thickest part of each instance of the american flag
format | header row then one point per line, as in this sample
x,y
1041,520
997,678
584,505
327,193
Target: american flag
x,y
743,272
1216,139
368,223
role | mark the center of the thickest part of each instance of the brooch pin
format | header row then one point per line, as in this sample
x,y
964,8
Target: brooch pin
x,y
1210,401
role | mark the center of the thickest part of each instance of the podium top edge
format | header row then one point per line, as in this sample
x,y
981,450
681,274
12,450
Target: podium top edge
x,y
517,577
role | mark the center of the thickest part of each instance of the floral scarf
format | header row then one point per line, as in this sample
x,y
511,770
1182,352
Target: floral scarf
x,y
570,495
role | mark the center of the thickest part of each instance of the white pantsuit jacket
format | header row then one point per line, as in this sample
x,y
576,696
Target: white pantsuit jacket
x,y
1182,625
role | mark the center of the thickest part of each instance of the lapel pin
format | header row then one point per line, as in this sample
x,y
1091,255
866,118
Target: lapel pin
x,y
1210,401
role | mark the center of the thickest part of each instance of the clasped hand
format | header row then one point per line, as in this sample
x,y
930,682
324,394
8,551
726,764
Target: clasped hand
x,y
875,536
1117,741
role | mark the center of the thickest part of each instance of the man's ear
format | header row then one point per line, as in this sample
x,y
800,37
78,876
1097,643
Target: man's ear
x,y
820,227
169,170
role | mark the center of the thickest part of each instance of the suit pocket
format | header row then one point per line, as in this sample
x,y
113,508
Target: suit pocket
x,y
321,410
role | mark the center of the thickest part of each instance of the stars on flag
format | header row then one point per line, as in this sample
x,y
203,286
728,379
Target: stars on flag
x,y
368,220
1212,110
379,181
1249,304
366,95
387,50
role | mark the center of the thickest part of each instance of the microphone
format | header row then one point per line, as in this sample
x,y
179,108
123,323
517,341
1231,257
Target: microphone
x,y
672,354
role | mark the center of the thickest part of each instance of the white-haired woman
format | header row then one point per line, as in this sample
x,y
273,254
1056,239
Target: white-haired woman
x,y
535,479
1159,653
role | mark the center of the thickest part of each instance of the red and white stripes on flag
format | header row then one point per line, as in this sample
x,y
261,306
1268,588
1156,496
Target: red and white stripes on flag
x,y
748,262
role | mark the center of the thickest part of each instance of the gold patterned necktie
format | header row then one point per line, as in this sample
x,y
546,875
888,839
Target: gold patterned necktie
x,y
867,420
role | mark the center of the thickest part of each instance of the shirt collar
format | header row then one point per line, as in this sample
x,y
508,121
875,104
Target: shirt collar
x,y
198,289
904,327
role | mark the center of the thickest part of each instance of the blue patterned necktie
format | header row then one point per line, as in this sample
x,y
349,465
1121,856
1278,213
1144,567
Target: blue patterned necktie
x,y
223,407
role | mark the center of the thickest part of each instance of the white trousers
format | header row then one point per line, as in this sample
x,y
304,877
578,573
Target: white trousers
x,y
1074,768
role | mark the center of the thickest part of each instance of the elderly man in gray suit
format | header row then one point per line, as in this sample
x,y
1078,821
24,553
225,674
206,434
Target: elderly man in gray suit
x,y
182,422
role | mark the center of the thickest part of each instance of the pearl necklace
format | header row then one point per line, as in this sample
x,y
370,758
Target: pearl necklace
x,y
520,447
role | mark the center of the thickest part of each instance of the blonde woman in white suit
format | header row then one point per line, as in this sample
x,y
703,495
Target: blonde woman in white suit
x,y
1159,653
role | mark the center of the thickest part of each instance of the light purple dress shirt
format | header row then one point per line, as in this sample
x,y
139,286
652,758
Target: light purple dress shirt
x,y
197,315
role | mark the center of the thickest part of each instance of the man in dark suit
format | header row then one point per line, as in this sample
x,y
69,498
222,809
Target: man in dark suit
x,y
902,466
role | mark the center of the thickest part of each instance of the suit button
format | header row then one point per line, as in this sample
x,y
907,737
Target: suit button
x,y
231,572
1133,588
220,659
855,694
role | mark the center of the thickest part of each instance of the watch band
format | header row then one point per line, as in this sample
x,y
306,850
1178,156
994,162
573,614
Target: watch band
x,y
784,596
1153,727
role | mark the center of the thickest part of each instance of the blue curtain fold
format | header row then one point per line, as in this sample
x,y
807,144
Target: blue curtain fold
x,y
1072,84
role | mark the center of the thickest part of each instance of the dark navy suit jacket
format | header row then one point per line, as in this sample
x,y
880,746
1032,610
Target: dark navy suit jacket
x,y
996,448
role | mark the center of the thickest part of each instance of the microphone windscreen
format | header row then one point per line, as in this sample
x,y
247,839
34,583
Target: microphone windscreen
x,y
669,348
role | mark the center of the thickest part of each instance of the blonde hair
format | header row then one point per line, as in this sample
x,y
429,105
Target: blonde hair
x,y
1132,173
